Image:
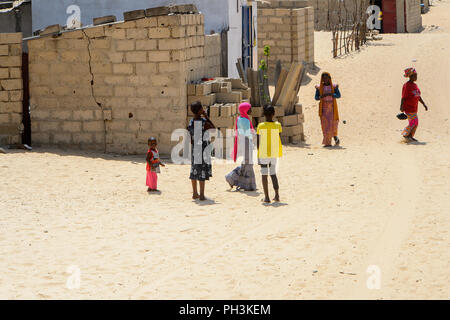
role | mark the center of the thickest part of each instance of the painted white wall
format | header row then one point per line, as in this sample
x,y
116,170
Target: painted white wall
x,y
255,34
234,36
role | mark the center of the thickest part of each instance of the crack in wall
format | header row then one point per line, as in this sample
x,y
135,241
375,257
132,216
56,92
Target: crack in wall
x,y
92,89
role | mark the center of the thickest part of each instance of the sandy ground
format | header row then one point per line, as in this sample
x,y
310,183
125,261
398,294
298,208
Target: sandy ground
x,y
374,202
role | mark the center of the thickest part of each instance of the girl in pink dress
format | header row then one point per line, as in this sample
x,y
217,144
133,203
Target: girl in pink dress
x,y
153,163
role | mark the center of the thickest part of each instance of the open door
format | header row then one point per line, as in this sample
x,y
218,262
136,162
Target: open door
x,y
247,37
389,8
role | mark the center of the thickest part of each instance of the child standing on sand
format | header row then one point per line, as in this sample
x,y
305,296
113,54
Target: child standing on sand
x,y
153,163
269,150
201,168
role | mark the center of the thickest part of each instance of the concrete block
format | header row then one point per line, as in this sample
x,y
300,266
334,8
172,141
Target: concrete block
x,y
123,68
206,101
158,56
214,111
290,120
203,89
158,11
125,45
16,95
11,84
223,122
11,61
4,73
4,96
51,30
133,15
137,33
191,89
136,56
159,33
292,131
166,21
104,20
146,44
233,97
4,50
7,38
95,32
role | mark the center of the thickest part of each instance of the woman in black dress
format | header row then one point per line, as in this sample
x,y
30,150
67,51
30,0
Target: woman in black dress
x,y
201,168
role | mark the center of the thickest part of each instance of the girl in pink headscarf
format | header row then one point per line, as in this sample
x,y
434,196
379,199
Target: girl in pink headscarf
x,y
243,177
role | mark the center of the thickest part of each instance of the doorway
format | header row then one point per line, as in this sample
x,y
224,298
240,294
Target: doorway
x,y
247,37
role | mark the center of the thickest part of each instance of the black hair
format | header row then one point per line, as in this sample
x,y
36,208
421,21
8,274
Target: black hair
x,y
151,139
269,110
196,106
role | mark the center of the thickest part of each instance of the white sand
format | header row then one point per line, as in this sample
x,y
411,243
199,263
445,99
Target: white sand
x,y
376,201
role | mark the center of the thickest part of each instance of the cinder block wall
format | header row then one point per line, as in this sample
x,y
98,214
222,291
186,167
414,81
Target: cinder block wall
x,y
213,55
11,88
413,16
288,31
110,87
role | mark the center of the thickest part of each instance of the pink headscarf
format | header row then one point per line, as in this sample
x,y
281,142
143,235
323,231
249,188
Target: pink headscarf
x,y
243,110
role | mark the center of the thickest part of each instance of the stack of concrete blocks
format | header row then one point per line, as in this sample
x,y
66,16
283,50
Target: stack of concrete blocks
x,y
413,16
213,55
11,88
293,126
221,97
110,87
288,30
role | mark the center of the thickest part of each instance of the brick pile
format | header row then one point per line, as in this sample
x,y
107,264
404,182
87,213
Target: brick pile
x,y
11,88
111,86
289,31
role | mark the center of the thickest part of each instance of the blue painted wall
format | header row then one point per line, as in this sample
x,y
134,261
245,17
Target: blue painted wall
x,y
48,12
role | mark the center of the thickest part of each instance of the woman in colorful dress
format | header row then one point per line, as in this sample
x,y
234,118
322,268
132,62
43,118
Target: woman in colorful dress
x,y
327,93
411,96
243,177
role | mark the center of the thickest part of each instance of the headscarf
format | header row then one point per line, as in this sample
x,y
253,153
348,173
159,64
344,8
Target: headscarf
x,y
409,72
243,110
335,108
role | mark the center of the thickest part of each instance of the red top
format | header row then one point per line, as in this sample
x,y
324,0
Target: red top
x,y
411,94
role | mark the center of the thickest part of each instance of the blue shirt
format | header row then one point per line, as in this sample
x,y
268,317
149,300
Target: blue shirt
x,y
244,128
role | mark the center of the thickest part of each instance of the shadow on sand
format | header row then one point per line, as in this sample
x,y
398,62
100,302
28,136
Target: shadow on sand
x,y
207,202
275,204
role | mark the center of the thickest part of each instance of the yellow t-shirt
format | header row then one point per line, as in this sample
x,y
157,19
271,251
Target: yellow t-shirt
x,y
269,140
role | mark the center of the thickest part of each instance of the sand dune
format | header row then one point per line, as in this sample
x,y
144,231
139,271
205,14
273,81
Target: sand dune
x,y
374,202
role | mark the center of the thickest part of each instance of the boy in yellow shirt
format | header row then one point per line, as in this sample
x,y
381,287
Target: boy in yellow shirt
x,y
269,150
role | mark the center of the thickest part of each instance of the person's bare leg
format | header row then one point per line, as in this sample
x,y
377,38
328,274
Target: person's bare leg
x,y
265,183
275,187
202,190
194,190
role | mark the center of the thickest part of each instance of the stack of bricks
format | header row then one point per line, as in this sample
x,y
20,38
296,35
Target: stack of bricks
x,y
213,55
11,88
221,97
293,126
111,86
288,29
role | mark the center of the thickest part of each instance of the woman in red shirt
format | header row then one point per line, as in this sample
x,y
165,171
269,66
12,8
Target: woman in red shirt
x,y
410,101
